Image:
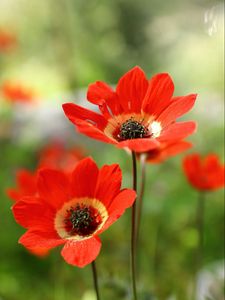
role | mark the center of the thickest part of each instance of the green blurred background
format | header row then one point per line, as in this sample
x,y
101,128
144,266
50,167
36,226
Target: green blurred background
x,y
62,46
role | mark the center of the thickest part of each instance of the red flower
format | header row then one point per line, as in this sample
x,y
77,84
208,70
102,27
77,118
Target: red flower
x,y
56,156
204,173
139,114
7,41
26,185
15,92
73,210
166,150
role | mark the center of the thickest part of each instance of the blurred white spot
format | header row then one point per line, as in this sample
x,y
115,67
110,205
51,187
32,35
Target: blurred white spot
x,y
155,129
210,282
213,19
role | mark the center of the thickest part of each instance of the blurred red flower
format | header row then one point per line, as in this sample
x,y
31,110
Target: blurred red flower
x,y
26,186
57,156
204,173
26,182
7,41
166,150
16,92
73,209
139,114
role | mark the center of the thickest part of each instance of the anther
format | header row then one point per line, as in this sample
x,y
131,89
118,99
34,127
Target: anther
x,y
132,129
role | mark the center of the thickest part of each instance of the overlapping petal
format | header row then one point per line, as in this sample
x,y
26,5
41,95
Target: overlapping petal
x,y
139,145
100,93
159,94
131,90
108,183
177,131
84,178
75,113
178,107
42,239
33,212
166,150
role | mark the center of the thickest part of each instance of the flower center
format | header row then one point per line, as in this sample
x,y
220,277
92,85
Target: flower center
x,y
132,129
82,220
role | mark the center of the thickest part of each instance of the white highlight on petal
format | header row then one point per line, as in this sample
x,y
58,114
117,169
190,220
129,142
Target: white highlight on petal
x,y
155,129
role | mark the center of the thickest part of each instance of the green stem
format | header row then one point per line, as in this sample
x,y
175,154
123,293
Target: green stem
x,y
95,279
133,230
141,196
200,228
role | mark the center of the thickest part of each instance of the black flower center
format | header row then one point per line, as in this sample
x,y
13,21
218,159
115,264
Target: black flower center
x,y
132,129
82,220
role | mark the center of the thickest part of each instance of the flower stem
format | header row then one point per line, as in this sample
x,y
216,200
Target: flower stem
x,y
95,279
140,200
200,228
133,230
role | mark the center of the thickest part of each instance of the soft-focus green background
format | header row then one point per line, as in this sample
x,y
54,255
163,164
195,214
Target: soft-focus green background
x,y
63,45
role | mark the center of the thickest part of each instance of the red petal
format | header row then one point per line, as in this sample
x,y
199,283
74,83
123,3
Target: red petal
x,y
81,253
213,171
53,186
118,205
177,131
139,145
178,107
108,183
167,151
211,163
75,112
93,132
33,213
158,95
177,147
122,201
34,239
84,178
100,93
131,90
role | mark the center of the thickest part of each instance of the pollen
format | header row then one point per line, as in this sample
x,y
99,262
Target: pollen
x,y
132,129
82,220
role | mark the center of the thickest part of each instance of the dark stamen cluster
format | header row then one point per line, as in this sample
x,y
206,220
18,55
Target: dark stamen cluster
x,y
132,129
82,220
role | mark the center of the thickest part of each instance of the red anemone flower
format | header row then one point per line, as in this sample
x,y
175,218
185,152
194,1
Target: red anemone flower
x,y
166,150
204,173
56,156
139,114
15,92
73,210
